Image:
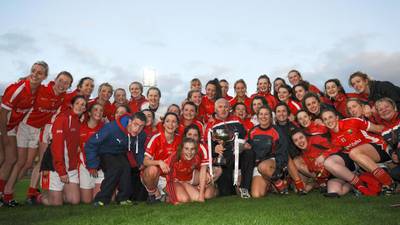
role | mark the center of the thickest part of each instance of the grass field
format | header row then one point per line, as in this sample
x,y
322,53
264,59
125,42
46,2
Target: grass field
x,y
273,209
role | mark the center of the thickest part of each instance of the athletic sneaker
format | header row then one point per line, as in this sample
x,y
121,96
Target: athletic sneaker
x,y
127,202
389,190
301,192
244,193
332,195
98,204
151,199
11,203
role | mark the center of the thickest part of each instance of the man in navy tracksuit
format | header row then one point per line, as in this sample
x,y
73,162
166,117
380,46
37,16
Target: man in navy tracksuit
x,y
107,149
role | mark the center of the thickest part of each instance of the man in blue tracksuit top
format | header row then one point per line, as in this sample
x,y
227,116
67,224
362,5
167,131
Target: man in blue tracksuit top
x,y
107,149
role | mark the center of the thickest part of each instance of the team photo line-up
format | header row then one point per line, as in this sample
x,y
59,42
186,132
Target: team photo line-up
x,y
285,137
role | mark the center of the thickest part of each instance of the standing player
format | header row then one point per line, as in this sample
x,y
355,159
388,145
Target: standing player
x,y
137,98
49,98
17,100
264,90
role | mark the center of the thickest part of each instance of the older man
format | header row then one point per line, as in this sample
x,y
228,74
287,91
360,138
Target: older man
x,y
230,124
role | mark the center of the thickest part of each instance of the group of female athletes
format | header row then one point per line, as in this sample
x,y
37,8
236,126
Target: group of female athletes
x,y
294,136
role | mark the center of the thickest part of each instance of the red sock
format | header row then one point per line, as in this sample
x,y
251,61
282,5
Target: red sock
x,y
2,184
382,176
32,192
279,184
299,184
356,182
8,197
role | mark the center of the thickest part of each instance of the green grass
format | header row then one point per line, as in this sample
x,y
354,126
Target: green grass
x,y
273,209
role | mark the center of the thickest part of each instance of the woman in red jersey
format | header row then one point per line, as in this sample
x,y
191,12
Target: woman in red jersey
x,y
49,99
137,98
105,92
213,92
240,88
284,94
63,180
89,186
360,146
17,100
159,149
310,127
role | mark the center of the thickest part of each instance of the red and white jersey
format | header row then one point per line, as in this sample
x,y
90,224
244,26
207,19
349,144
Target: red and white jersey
x,y
181,128
18,99
108,108
246,102
45,107
206,108
316,129
293,106
150,132
136,104
353,132
271,100
203,155
85,133
159,149
64,147
340,102
182,170
67,100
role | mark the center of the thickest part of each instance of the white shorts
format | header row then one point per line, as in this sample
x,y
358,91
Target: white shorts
x,y
256,173
27,136
45,134
12,132
55,183
86,181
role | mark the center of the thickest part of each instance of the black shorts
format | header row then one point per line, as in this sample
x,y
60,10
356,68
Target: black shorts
x,y
348,162
383,156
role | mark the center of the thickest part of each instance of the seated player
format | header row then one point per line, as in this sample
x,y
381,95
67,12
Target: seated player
x,y
310,127
180,185
63,179
189,113
269,145
89,186
314,151
239,110
159,149
360,146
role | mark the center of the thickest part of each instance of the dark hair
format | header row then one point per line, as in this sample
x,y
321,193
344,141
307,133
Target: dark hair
x,y
190,103
92,106
152,113
65,73
284,105
128,110
190,127
154,88
288,88
74,99
195,80
329,110
284,84
300,111
237,104
265,76
358,74
297,130
218,91
180,147
264,102
140,116
80,82
303,84
338,84
309,95
267,108
170,113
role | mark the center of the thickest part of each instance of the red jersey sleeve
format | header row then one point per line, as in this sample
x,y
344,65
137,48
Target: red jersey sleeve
x,y
153,146
10,95
60,125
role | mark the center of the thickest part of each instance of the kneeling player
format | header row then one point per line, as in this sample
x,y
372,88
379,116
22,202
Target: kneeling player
x,y
180,185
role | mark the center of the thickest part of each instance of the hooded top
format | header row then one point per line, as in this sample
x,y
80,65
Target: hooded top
x,y
113,138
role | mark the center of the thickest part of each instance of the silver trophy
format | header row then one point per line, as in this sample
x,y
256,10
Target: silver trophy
x,y
223,136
